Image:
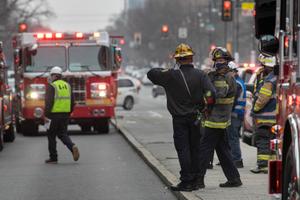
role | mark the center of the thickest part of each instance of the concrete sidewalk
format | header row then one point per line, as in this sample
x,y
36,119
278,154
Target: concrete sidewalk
x,y
154,143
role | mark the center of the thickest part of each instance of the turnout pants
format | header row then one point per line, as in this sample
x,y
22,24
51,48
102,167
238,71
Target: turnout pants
x,y
216,139
58,127
187,144
264,154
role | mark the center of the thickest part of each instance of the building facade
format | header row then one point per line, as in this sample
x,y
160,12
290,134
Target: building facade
x,y
134,4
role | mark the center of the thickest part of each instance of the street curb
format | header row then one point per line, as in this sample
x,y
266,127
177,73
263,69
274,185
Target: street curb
x,y
164,174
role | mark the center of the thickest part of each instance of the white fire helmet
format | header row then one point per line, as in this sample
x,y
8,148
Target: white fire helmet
x,y
268,61
56,70
232,66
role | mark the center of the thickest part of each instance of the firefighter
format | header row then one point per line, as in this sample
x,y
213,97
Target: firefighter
x,y
237,118
59,105
264,112
215,137
187,90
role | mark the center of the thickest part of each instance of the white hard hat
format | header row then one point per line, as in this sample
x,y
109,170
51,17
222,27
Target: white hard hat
x,y
269,61
232,65
56,70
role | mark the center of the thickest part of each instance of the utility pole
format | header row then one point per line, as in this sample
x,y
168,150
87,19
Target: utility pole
x,y
236,5
210,21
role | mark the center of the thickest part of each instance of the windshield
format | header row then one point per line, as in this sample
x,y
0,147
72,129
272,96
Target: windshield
x,y
87,58
45,58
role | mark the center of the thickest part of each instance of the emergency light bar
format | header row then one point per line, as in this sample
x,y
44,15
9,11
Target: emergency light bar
x,y
101,38
67,36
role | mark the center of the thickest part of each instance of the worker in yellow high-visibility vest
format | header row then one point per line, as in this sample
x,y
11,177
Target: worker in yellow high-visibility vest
x,y
59,104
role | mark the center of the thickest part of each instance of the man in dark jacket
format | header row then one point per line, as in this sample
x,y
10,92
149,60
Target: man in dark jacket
x,y
187,90
58,106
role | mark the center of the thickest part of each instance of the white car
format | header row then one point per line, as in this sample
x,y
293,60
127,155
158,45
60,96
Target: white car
x,y
128,89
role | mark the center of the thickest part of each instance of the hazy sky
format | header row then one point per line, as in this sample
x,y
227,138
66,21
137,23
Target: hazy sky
x,y
83,15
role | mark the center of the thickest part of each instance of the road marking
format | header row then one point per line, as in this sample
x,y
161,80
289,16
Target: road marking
x,y
155,114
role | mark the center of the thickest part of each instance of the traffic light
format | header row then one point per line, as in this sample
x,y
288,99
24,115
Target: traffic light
x,y
227,10
22,27
165,30
122,41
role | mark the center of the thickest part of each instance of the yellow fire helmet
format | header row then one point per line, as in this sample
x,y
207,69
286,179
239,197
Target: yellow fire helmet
x,y
183,50
269,61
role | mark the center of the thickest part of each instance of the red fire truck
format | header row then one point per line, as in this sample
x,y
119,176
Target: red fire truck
x,y
281,19
6,116
90,63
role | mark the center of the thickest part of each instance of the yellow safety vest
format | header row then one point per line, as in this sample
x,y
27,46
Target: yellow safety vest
x,y
62,98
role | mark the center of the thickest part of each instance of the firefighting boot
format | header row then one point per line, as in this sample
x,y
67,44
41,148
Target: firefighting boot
x,y
259,169
234,183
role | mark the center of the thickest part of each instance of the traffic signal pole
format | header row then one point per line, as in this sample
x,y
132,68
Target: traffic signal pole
x,y
227,16
236,6
225,33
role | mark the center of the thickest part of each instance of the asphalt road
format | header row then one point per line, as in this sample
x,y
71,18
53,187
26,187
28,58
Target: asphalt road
x,y
108,169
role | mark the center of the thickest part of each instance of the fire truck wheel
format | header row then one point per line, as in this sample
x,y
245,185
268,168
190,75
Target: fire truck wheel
x,y
1,141
18,126
29,127
9,135
85,128
289,181
102,125
128,103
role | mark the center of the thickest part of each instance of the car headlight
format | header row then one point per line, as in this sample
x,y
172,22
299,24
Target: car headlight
x,y
36,91
99,90
34,95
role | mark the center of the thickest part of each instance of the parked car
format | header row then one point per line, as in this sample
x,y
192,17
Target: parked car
x,y
157,90
128,89
249,75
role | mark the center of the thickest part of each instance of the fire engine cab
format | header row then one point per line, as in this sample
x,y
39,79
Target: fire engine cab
x,y
277,26
6,116
90,63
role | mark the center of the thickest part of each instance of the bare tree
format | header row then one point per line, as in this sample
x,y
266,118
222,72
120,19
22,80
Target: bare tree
x,y
13,12
201,18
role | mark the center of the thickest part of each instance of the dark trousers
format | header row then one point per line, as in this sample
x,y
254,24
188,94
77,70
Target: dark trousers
x,y
211,161
216,139
58,127
187,144
263,137
233,133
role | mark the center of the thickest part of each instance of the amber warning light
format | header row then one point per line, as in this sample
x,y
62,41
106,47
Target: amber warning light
x,y
49,36
79,35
